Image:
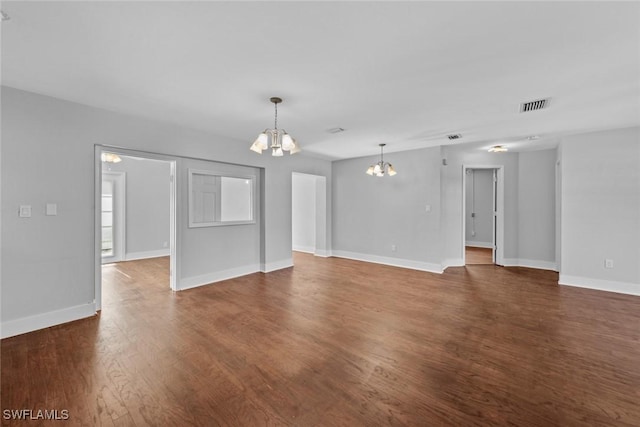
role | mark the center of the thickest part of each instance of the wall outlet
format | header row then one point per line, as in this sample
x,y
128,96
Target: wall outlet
x,y
608,263
394,248
165,244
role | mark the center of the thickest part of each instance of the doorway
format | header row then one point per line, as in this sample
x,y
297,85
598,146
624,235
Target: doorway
x,y
135,213
309,213
483,215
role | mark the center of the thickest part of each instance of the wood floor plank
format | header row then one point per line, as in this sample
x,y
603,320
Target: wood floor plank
x,y
336,342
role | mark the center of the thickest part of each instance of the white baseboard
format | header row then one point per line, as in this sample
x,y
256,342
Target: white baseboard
x,y
530,263
147,254
452,262
45,320
322,253
395,262
305,249
218,276
473,244
600,285
277,265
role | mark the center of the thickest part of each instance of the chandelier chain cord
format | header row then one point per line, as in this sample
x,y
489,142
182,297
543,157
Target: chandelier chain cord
x,y
276,118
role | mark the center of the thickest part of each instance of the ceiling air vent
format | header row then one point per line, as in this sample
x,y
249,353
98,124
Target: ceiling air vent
x,y
538,104
336,130
454,136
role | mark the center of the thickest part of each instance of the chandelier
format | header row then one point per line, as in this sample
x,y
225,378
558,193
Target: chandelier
x,y
381,168
276,139
498,149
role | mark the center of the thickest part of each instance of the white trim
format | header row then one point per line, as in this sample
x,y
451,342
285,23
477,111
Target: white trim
x,y
44,320
452,262
530,263
322,253
277,265
218,276
395,262
306,249
472,244
147,254
600,285
498,198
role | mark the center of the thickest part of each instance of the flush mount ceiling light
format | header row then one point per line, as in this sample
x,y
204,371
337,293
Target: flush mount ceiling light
x,y
276,139
381,168
110,158
498,149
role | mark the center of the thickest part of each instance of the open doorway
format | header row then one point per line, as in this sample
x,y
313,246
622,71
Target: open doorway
x,y
135,219
483,215
309,213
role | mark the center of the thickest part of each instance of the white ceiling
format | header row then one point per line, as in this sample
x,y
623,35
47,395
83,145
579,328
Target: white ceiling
x,y
402,73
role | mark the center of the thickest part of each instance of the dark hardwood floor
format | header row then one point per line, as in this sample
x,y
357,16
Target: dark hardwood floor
x,y
335,342
478,255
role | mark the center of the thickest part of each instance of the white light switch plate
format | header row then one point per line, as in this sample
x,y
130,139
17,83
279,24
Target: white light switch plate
x,y
52,209
25,211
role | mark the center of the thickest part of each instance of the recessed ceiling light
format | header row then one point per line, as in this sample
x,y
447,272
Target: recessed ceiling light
x,y
498,149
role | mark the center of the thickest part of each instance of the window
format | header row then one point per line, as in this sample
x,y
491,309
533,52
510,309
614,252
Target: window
x,y
107,218
220,199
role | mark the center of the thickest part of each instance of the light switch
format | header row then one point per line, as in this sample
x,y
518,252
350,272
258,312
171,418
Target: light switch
x,y
25,211
52,209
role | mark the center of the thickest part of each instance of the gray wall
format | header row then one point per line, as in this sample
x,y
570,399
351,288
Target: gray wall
x,y
601,210
537,206
303,199
208,252
48,156
479,194
370,214
147,205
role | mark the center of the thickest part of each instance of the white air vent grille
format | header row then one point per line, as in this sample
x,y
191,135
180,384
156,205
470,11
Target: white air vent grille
x,y
454,136
336,130
538,104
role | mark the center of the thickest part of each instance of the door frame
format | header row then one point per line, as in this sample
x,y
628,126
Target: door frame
x,y
119,218
173,242
498,201
320,191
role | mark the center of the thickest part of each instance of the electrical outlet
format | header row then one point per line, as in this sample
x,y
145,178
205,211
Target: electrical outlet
x,y
608,263
165,244
394,248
